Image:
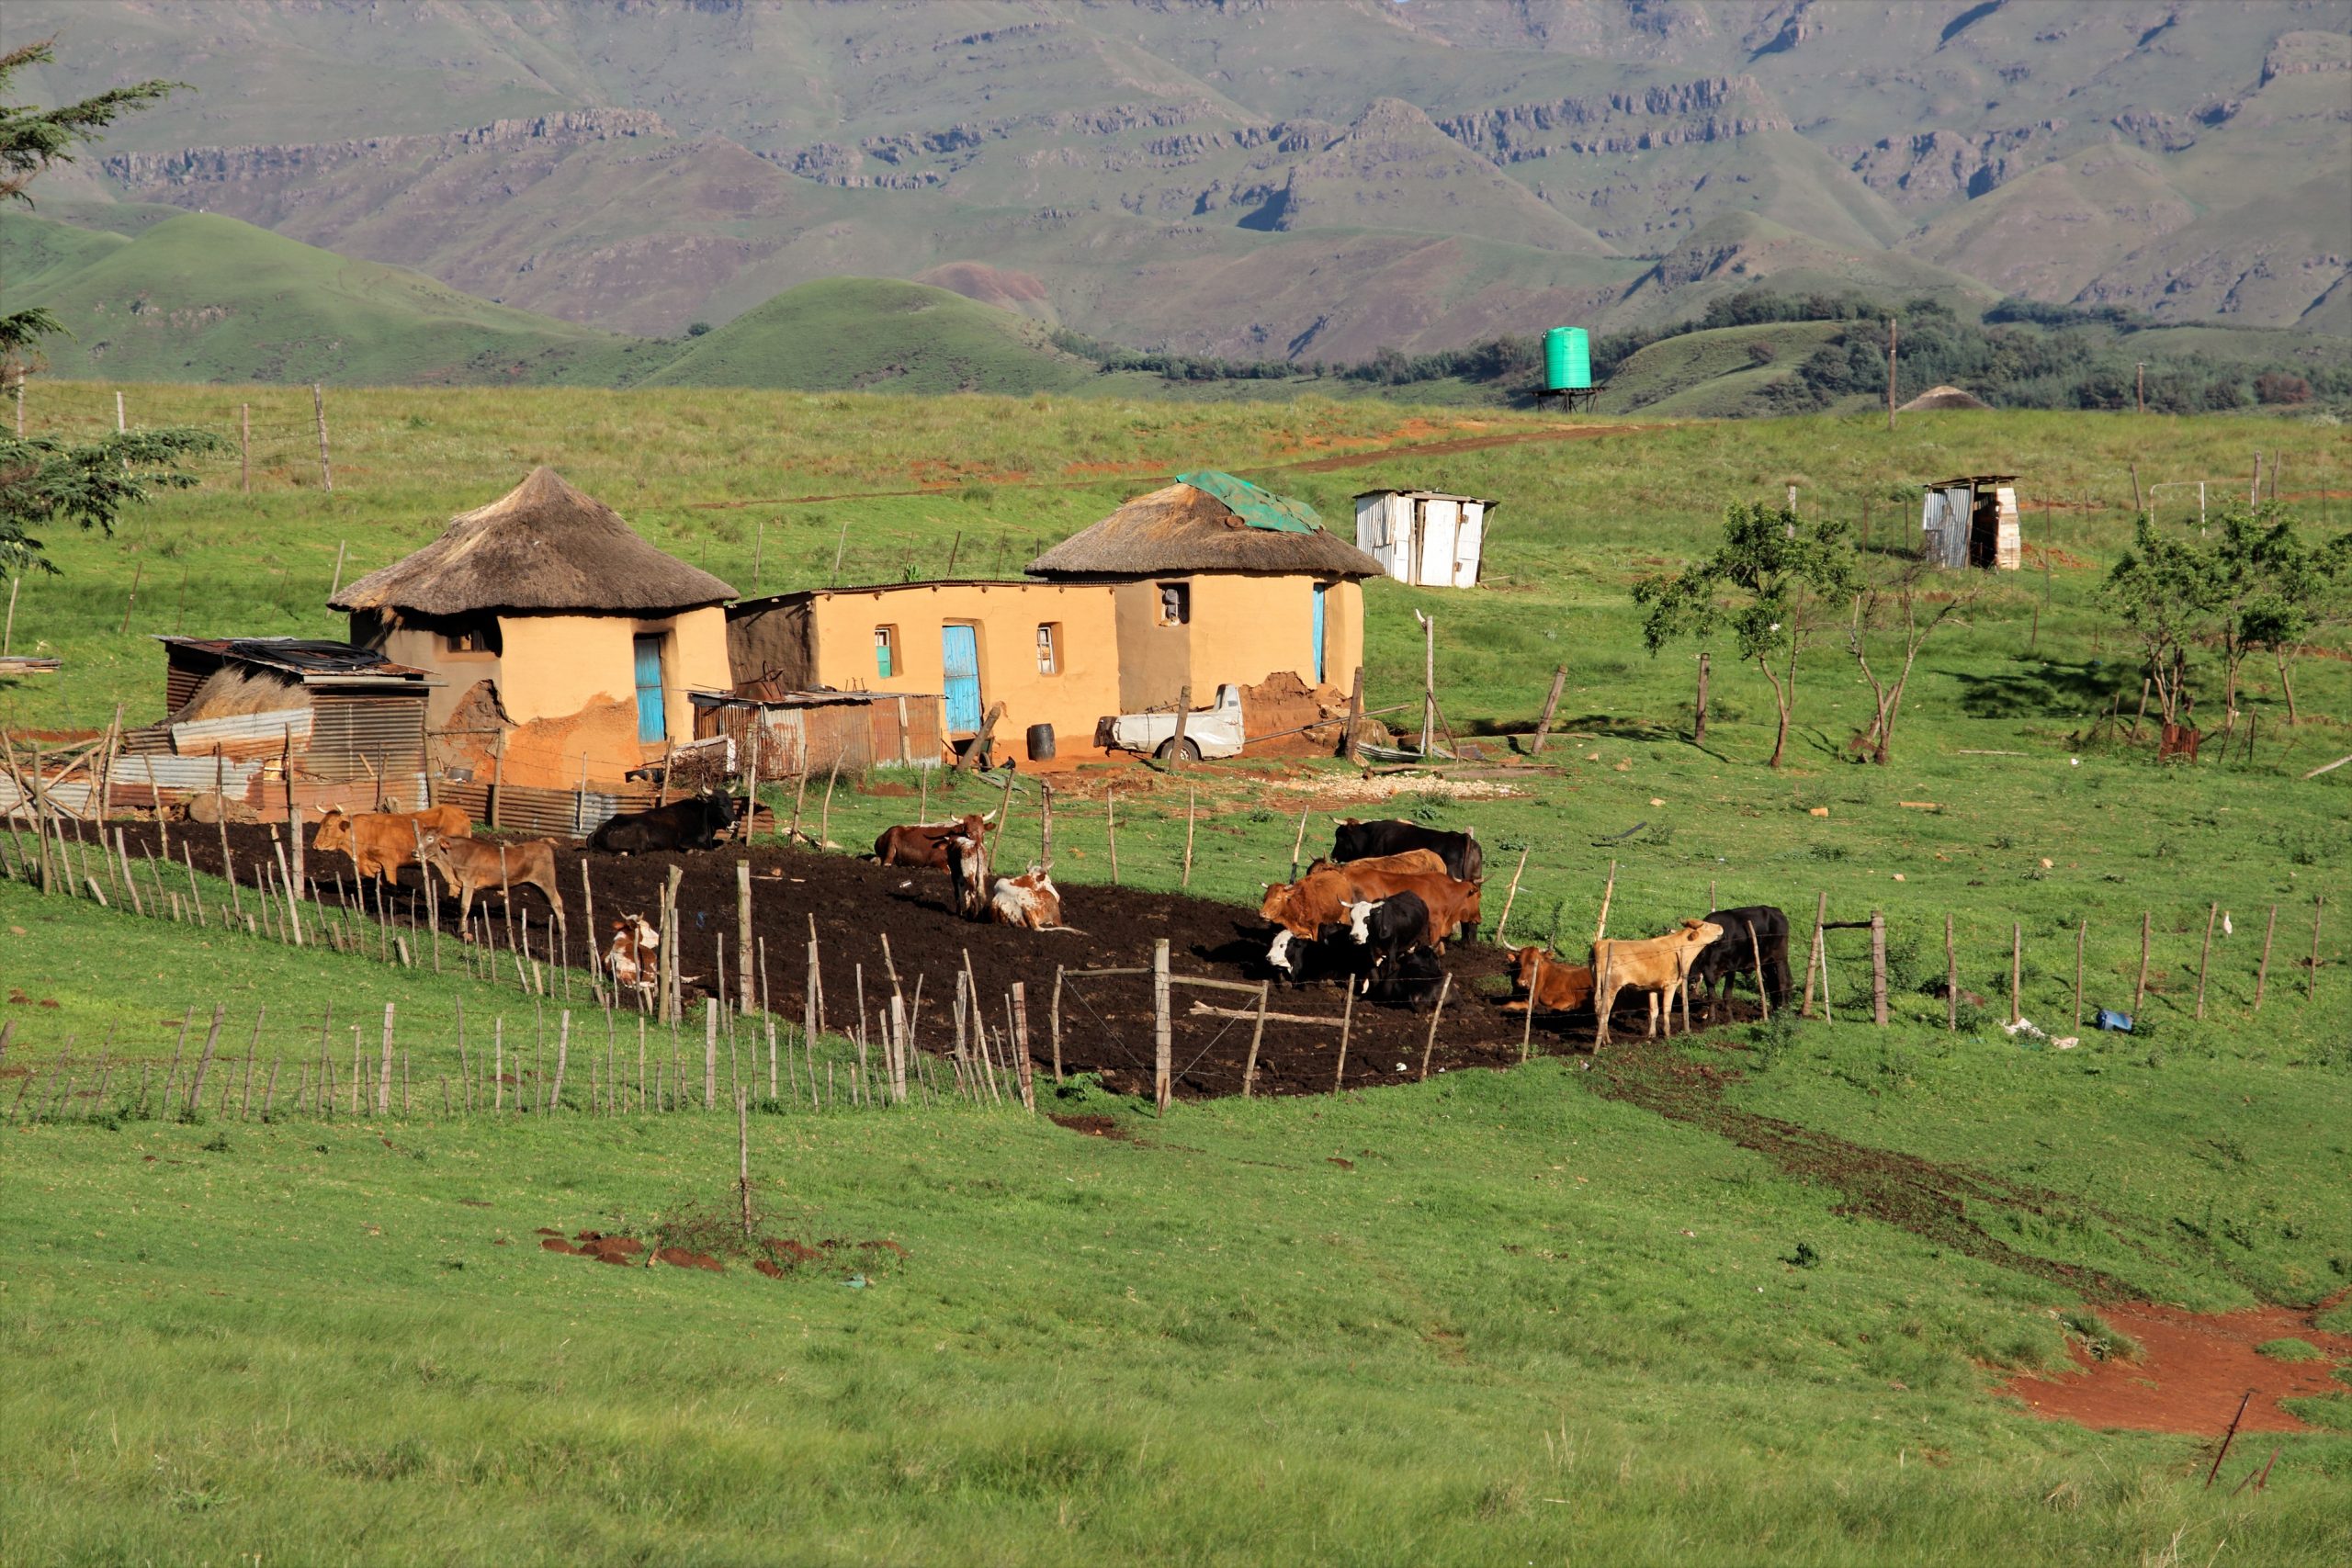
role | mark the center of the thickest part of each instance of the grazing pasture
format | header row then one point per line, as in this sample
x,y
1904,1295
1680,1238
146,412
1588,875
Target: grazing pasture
x,y
1753,1294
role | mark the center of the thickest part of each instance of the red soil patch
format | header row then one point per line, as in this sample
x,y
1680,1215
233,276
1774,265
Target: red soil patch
x,y
557,1244
2191,1372
1092,1126
608,1248
764,1267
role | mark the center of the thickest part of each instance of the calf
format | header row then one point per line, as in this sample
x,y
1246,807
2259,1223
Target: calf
x,y
1028,902
1551,985
628,958
925,843
1387,931
1354,841
380,842
1330,954
1658,965
1756,935
693,823
471,866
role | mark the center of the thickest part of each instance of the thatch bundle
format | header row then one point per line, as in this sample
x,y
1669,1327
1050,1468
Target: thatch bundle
x,y
542,546
235,690
1184,529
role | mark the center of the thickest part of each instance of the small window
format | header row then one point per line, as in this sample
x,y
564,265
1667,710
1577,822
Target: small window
x,y
1049,637
478,636
1175,603
886,651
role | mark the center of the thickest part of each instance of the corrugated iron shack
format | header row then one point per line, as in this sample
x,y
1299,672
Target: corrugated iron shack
x,y
784,732
1972,521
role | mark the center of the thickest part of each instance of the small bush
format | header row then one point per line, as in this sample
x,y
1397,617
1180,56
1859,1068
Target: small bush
x,y
2101,1340
1804,1256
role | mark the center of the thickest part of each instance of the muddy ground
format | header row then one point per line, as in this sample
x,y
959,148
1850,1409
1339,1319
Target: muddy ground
x,y
1106,1023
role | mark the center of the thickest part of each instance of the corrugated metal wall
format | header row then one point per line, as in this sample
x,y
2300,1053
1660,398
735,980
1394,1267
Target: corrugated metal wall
x,y
819,738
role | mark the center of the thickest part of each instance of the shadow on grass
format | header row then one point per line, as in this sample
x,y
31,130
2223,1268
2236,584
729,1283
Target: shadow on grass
x,y
2045,690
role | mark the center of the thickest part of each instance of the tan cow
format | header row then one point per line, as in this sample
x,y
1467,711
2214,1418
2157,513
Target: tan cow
x,y
1319,899
380,842
1660,965
1551,985
474,865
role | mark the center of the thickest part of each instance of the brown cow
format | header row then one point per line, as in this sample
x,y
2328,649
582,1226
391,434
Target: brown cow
x,y
1551,985
1659,964
925,843
472,866
628,958
1320,898
380,842
1027,902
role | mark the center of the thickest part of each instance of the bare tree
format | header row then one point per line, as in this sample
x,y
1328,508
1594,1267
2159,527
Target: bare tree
x,y
1891,606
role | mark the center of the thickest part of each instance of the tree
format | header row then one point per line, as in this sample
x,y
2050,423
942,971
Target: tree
x,y
1893,603
1764,582
2163,589
2301,590
43,479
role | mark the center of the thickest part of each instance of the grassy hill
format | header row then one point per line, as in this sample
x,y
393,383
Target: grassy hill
x,y
876,334
201,298
1749,1297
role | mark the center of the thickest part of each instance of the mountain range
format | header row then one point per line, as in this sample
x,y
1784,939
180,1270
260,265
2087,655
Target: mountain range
x,y
1305,179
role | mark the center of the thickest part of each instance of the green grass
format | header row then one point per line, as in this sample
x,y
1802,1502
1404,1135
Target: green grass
x,y
2290,1350
1490,1335
203,298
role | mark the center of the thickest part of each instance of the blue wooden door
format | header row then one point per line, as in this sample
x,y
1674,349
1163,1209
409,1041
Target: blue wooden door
x,y
960,658
652,723
1318,634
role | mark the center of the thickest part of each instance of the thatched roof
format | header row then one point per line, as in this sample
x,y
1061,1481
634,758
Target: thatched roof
x,y
1943,398
542,546
1185,529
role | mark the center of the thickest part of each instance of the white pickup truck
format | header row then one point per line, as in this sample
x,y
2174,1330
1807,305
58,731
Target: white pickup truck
x,y
1208,732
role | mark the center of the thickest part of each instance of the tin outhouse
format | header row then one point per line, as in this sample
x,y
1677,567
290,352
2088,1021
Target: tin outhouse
x,y
1972,521
1422,536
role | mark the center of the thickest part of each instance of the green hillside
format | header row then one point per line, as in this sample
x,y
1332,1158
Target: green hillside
x,y
1712,373
202,298
870,333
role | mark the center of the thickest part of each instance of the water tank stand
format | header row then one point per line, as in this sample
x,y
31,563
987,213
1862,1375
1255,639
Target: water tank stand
x,y
1572,399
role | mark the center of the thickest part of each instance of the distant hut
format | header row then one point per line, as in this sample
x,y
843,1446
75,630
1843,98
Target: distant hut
x,y
1424,536
567,643
1972,521
1943,398
1219,581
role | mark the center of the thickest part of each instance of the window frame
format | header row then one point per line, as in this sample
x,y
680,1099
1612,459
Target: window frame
x,y
1184,591
887,663
1049,648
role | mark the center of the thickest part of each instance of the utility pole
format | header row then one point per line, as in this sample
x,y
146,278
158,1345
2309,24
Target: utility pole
x,y
1890,374
2141,367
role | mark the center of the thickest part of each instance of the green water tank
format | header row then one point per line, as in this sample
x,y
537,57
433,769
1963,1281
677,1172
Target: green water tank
x,y
1567,360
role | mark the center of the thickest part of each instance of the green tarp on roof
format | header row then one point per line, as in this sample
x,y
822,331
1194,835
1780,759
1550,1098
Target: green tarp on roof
x,y
1258,508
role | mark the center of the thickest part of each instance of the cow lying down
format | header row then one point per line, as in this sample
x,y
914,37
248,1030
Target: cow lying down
x,y
925,843
630,959
1027,902
1549,985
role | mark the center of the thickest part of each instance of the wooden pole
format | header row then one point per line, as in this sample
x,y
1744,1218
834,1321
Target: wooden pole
x,y
743,976
1503,925
1021,1048
1551,708
1878,968
2262,975
1429,1042
204,1062
1355,715
1111,827
2212,912
1890,330
1191,803
1176,741
2017,965
319,407
246,449
1763,991
293,828
1046,831
759,553
1163,1041
2140,991
2318,905
1429,680
743,1156
1812,959
1257,1036
1699,710
1607,892
1297,842
2082,930
1347,1023
384,1067
340,546
137,570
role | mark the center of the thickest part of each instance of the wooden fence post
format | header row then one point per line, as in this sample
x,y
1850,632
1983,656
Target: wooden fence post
x,y
1428,1042
1191,803
1951,979
1699,710
1163,1041
1176,741
1355,715
1297,842
1812,958
1021,1048
2140,991
2081,931
384,1067
1878,968
1347,1023
743,976
1503,925
1257,1036
1111,827
2263,974
1551,708
1045,829
2319,904
245,450
2016,965
204,1062
318,406
2206,957
743,1156
1056,1024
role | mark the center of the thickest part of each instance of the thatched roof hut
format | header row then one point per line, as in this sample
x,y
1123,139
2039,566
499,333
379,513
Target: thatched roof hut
x,y
1206,522
1943,398
541,546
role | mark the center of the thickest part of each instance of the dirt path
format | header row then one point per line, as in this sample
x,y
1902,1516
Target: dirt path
x,y
2190,1371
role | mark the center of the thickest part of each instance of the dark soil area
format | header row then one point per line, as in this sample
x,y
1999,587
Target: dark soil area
x,y
1106,1022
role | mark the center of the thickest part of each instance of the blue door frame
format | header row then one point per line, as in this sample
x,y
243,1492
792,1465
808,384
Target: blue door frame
x,y
1319,591
652,723
959,659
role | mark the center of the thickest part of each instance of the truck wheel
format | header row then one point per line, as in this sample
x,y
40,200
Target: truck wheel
x,y
1169,749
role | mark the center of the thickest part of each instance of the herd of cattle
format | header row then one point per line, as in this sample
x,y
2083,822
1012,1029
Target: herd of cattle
x,y
1375,914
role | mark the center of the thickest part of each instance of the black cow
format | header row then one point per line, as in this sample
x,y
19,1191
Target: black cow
x,y
1414,982
1362,840
693,823
1758,931
1387,931
1330,956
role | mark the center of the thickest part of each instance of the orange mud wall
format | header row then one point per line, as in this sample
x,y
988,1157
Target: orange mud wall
x,y
1243,629
1005,618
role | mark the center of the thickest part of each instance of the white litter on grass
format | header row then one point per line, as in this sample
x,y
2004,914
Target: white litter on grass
x,y
2024,1026
2067,1042
2226,929
1391,784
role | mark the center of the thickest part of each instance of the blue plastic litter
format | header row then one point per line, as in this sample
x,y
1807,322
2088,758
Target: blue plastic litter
x,y
2107,1018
